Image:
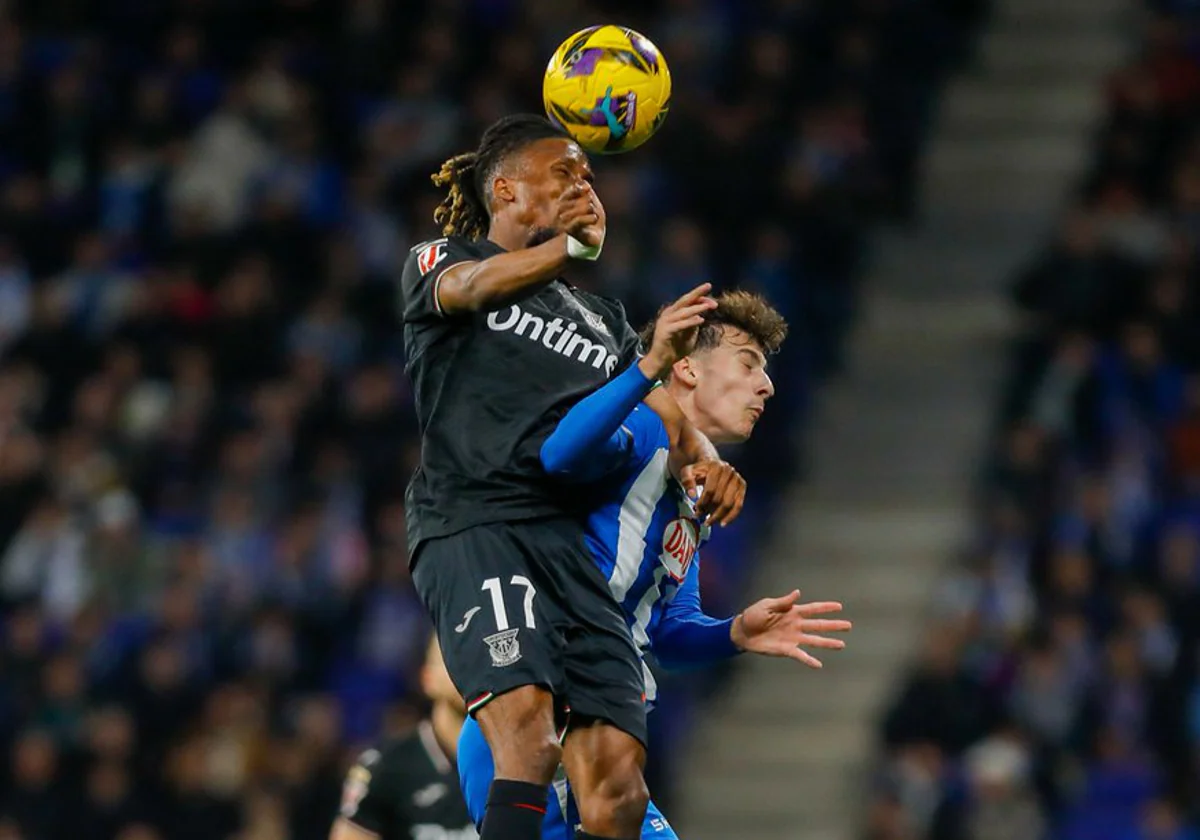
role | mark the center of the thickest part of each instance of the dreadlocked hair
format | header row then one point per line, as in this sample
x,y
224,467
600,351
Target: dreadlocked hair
x,y
461,212
464,210
749,312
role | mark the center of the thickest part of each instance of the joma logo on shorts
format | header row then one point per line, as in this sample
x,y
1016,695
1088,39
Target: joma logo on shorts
x,y
554,335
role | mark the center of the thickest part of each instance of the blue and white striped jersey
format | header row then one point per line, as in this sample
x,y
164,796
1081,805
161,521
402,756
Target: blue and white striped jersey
x,y
644,534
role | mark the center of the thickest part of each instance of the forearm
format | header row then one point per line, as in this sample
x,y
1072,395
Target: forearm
x,y
669,412
502,279
590,432
695,641
688,442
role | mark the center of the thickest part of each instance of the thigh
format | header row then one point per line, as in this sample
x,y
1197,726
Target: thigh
x,y
595,753
601,664
496,632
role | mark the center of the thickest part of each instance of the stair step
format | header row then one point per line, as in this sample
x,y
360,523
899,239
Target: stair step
x,y
860,585
983,226
1012,191
764,825
936,323
813,741
1074,16
869,535
1029,156
748,795
784,696
1020,52
978,107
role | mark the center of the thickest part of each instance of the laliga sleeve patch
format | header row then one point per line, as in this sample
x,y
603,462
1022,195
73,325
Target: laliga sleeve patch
x,y
430,256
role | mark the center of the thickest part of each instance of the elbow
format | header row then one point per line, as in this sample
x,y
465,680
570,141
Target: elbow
x,y
554,460
462,291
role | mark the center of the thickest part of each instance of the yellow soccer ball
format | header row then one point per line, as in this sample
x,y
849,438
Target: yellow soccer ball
x,y
608,87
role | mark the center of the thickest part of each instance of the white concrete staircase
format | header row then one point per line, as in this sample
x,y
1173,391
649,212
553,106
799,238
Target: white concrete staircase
x,y
784,753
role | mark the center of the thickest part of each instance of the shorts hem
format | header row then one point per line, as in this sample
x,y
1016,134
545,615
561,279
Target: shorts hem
x,y
636,731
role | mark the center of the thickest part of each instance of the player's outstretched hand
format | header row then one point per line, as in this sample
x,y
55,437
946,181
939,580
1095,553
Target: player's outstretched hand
x,y
784,627
724,490
675,331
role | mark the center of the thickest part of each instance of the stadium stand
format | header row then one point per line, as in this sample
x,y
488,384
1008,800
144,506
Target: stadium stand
x,y
204,426
1057,693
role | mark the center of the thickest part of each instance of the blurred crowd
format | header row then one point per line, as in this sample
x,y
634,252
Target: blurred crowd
x,y
1058,696
205,430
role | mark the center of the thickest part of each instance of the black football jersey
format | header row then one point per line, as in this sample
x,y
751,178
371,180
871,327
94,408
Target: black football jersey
x,y
407,789
490,386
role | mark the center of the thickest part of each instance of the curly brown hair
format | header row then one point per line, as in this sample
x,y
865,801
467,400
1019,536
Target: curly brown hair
x,y
749,312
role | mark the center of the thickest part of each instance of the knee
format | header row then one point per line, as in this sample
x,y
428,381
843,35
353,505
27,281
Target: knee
x,y
533,758
618,801
519,728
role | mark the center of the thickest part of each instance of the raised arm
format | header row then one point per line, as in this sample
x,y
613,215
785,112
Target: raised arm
x,y
508,277
502,279
686,636
590,440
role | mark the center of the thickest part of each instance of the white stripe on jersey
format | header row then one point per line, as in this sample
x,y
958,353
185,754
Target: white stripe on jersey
x,y
634,520
641,620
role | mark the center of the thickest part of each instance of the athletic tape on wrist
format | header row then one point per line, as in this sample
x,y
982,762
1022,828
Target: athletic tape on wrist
x,y
576,250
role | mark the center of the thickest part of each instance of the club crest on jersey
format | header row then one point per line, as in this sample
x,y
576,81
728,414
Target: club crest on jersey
x,y
430,256
504,647
593,320
680,539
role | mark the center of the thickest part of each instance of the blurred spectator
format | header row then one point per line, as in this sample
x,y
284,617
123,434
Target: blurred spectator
x,y
1095,470
999,802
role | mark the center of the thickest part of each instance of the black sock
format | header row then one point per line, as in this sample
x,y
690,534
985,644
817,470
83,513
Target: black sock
x,y
583,835
515,811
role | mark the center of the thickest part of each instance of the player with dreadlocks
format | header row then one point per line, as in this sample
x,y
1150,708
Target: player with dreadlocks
x,y
499,348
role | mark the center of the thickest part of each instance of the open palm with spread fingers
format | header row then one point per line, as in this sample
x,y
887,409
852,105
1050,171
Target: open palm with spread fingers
x,y
784,627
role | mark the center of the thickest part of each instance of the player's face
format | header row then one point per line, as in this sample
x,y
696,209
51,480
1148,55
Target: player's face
x,y
545,170
732,387
435,679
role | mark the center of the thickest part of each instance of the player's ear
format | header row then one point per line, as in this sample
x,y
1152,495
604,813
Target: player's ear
x,y
684,371
502,189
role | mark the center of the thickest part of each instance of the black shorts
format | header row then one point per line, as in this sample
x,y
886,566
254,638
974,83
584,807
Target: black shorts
x,y
523,603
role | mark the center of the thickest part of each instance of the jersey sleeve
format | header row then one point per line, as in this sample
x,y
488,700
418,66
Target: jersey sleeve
x,y
368,800
688,637
595,437
423,271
